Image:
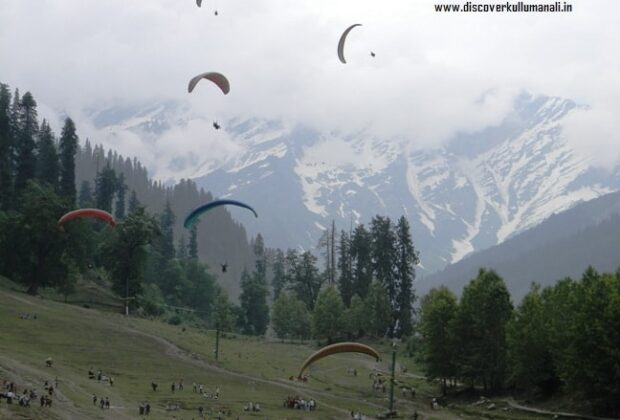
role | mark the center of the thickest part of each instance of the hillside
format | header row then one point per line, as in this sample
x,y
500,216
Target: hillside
x,y
135,352
220,238
562,246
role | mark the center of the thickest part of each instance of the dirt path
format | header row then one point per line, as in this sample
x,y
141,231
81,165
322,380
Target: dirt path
x,y
174,351
23,300
511,402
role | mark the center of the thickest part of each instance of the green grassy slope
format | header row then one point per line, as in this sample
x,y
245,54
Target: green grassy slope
x,y
137,351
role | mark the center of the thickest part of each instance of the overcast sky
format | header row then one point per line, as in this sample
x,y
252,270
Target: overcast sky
x,y
434,73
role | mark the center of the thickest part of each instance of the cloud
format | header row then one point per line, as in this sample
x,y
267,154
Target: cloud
x,y
433,75
594,133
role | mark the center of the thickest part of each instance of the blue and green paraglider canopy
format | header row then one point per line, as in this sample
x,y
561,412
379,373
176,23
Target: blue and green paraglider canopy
x,y
194,216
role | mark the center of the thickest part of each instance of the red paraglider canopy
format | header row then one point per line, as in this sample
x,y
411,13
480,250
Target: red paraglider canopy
x,y
218,78
79,213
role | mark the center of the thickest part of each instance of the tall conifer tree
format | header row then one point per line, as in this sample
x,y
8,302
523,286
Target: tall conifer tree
x,y
68,148
105,187
6,147
121,191
47,157
406,259
345,280
28,127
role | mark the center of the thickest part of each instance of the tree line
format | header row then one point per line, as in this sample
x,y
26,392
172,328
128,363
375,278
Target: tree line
x,y
366,287
560,339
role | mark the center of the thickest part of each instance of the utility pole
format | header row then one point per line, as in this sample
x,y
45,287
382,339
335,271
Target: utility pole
x,y
217,341
127,296
392,379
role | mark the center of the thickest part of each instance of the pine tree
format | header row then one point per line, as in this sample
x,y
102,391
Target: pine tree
x,y
406,259
105,187
327,243
14,113
35,249
324,245
290,266
6,147
14,120
332,274
307,280
182,248
193,241
383,250
134,203
345,280
260,272
121,190
68,148
166,222
361,260
25,160
278,282
85,199
47,157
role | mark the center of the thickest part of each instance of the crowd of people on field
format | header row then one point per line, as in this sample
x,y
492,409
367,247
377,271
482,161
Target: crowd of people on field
x,y
300,403
10,392
100,376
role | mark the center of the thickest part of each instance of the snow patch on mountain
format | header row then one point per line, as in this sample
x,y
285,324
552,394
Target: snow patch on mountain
x,y
473,192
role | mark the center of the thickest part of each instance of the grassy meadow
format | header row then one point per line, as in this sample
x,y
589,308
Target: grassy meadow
x,y
136,352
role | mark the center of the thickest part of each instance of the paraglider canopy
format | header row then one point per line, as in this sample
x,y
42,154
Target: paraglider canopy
x,y
193,217
338,348
219,79
79,213
343,38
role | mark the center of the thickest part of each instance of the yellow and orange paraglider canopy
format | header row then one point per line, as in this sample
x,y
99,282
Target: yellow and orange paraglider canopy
x,y
338,348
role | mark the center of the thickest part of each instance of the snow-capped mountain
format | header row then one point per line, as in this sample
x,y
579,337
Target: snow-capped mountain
x,y
472,193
